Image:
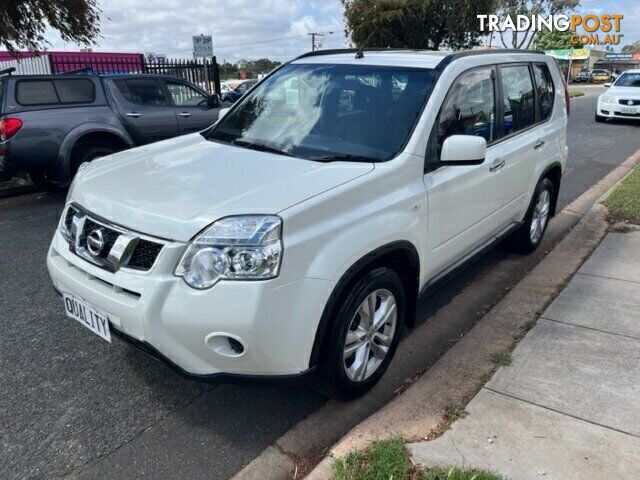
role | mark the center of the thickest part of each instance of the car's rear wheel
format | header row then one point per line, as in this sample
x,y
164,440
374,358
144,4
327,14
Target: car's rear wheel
x,y
47,181
364,335
527,238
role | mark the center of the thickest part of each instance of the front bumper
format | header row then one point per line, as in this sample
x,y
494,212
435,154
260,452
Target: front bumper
x,y
615,110
158,313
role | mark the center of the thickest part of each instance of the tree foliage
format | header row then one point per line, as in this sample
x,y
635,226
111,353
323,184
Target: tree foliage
x,y
252,67
632,47
425,24
553,40
23,22
529,7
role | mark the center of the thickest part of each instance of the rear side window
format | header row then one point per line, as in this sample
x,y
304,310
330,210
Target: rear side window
x,y
36,93
54,92
469,108
517,98
544,88
75,90
144,91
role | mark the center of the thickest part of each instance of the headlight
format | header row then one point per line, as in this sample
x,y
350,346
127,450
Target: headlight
x,y
608,99
247,247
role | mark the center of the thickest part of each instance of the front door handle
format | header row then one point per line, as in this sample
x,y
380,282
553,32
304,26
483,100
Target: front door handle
x,y
539,144
497,165
184,114
133,114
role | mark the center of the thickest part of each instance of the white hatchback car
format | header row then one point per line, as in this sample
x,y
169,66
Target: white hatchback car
x,y
295,236
622,99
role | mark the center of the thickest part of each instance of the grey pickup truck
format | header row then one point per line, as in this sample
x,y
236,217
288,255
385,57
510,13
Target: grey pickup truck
x,y
51,124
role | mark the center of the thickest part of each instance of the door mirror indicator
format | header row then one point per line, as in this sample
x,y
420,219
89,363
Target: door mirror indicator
x,y
463,150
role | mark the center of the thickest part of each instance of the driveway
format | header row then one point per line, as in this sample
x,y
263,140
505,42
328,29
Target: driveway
x,y
73,406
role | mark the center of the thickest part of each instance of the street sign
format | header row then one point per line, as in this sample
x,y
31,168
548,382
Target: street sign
x,y
202,46
618,55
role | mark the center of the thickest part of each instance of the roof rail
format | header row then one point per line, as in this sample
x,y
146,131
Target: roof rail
x,y
84,69
333,51
470,53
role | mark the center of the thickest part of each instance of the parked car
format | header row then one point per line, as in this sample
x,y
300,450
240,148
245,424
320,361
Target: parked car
x,y
600,76
622,99
295,236
233,95
583,77
50,125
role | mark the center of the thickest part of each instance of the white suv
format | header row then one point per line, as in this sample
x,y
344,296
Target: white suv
x,y
296,235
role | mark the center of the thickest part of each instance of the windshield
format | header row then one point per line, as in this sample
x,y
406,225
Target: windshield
x,y
629,80
329,112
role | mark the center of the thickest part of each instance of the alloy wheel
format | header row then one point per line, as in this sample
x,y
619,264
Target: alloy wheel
x,y
370,335
540,216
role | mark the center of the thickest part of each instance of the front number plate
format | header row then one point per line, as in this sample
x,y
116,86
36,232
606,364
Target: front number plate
x,y
87,315
629,110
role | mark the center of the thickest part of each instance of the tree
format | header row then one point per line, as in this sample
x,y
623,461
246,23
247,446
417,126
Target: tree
x,y
425,24
23,22
632,47
553,40
529,7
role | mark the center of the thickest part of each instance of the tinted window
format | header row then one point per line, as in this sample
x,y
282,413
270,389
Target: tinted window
x,y
75,90
184,95
328,112
544,86
517,98
145,91
469,108
39,92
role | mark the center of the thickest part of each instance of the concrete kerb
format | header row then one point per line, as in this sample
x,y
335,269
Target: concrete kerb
x,y
455,378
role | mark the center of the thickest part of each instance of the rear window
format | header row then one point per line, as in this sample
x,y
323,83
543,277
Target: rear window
x,y
54,92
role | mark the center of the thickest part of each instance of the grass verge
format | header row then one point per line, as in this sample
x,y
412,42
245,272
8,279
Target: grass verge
x,y
624,201
389,460
575,93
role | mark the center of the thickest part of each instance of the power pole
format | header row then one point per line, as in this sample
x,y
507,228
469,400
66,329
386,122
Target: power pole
x,y
313,39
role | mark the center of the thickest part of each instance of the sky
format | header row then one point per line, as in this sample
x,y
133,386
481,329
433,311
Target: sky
x,y
253,29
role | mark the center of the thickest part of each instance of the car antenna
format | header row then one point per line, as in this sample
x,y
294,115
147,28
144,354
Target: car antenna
x,y
360,52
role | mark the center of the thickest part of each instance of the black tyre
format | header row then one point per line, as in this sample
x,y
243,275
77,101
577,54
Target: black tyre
x,y
600,118
360,346
88,151
47,181
527,238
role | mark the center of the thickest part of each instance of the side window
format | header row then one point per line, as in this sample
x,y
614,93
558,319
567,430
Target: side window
x,y
544,87
75,90
517,98
144,91
469,108
184,95
39,92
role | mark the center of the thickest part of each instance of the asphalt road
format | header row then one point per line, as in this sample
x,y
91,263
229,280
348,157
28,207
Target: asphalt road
x,y
73,406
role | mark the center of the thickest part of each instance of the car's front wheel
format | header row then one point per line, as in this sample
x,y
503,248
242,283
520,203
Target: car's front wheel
x,y
364,335
600,118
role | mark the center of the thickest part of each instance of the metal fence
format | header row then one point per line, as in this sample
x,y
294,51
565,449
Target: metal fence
x,y
202,72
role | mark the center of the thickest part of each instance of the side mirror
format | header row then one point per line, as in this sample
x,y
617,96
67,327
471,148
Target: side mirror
x,y
222,112
463,150
608,84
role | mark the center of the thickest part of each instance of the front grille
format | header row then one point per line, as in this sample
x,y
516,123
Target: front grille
x,y
144,255
117,247
626,102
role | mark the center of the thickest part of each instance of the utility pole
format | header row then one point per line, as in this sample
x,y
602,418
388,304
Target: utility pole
x,y
313,39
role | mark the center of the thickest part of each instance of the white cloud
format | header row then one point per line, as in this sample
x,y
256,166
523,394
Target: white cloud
x,y
241,28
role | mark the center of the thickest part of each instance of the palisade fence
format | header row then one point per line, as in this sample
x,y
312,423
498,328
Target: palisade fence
x,y
202,72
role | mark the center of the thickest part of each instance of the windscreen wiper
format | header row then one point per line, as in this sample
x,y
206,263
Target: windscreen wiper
x,y
261,147
344,158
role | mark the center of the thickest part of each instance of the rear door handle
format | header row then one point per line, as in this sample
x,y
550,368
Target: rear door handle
x,y
539,144
497,165
184,114
133,114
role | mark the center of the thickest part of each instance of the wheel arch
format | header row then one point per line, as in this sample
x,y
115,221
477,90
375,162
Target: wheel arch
x,y
85,131
554,173
401,256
